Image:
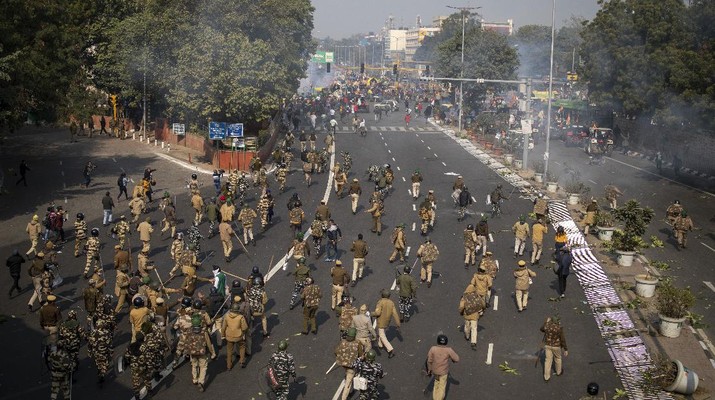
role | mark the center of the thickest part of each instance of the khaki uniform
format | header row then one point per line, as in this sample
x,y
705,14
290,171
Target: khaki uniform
x,y
521,232
590,217
482,283
144,264
340,180
169,219
384,311
541,208
523,277
673,212
80,236
225,232
554,344
198,204
120,290
189,262
145,230
340,279
33,229
300,249
227,211
247,215
234,328
137,207
416,182
425,214
398,241
428,254
538,231
281,175
122,261
376,210
359,250
347,351
612,194
470,247
354,191
682,225
469,306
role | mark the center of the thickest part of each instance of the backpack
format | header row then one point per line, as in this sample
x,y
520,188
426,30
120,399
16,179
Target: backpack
x,y
430,254
255,301
346,317
120,181
473,303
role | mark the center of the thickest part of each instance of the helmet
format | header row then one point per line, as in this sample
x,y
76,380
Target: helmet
x,y
179,235
257,281
35,217
683,213
370,356
385,293
346,298
236,283
442,340
484,218
198,304
522,219
80,216
122,217
676,202
186,302
592,388
72,314
470,227
283,165
95,232
308,281
138,302
283,345
302,260
255,270
387,165
192,246
352,332
299,236
213,290
498,186
406,269
193,176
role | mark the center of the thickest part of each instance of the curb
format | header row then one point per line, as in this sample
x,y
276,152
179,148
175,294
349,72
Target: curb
x,y
667,164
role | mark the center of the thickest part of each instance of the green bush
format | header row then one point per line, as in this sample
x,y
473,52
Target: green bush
x,y
674,302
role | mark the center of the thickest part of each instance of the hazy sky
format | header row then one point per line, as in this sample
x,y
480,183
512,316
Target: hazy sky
x,y
341,18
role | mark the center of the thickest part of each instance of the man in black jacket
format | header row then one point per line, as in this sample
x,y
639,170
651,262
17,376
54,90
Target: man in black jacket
x,y
14,262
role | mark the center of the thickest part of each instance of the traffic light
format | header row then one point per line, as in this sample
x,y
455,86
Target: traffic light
x,y
362,68
327,67
427,70
394,69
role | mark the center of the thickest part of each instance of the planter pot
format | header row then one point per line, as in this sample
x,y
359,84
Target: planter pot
x,y
538,177
670,327
574,198
497,151
488,145
519,164
686,381
645,285
508,159
605,233
551,187
625,258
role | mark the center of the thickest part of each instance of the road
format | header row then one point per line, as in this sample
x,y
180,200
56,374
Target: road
x,y
504,334
639,179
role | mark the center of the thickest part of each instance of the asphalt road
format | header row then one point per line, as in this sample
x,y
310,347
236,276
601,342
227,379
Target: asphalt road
x,y
639,179
504,334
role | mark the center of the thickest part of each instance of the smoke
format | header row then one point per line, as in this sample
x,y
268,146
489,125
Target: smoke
x,y
316,78
533,59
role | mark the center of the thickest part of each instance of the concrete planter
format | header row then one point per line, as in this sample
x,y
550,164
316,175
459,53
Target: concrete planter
x,y
497,151
574,198
518,164
508,159
625,258
686,381
605,233
670,327
488,145
552,187
539,177
645,285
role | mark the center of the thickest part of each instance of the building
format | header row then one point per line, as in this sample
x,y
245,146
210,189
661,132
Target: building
x,y
395,44
438,21
414,38
505,28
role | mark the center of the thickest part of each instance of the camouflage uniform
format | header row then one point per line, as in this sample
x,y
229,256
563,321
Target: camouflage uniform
x,y
247,215
141,374
296,217
61,366
92,254
428,253
317,231
284,368
347,351
194,237
177,247
302,272
425,216
311,298
195,344
372,372
122,228
400,245
99,346
265,208
257,300
153,349
70,334
281,174
80,236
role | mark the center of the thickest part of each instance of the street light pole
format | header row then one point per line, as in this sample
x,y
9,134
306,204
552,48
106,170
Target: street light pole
x,y
551,83
464,11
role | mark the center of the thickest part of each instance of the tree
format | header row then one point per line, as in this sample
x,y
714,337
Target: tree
x,y
533,43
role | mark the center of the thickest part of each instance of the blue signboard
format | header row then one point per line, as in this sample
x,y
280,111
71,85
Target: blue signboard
x,y
235,130
217,130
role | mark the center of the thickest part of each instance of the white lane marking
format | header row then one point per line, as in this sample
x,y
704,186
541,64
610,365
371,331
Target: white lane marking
x,y
491,238
385,144
389,151
413,227
557,162
114,159
663,177
184,164
474,200
398,168
393,159
422,141
435,154
409,192
707,246
339,392
394,284
444,163
594,182
63,173
490,350
60,162
414,207
497,263
710,285
429,148
407,252
496,303
403,179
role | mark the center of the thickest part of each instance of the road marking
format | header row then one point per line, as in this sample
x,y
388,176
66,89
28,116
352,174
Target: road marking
x,y
407,252
114,159
444,163
435,154
593,182
558,163
491,238
394,284
497,263
63,173
393,159
403,179
398,168
490,350
474,200
414,207
496,303
60,162
710,285
707,246
663,177
409,192
422,141
413,229
429,148
339,392
389,151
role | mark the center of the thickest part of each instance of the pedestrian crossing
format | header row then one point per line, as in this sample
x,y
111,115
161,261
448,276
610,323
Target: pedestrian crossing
x,y
349,129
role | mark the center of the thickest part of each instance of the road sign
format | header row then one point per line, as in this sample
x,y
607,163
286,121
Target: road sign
x,y
251,143
235,130
217,130
178,129
571,76
329,56
323,57
238,143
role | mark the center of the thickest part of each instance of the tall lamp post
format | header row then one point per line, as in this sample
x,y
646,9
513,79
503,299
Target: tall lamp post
x,y
464,11
551,82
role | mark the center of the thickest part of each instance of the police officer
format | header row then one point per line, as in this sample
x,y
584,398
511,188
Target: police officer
x,y
265,209
408,291
354,191
80,233
121,228
376,210
145,230
682,225
438,359
554,346
317,231
416,182
100,348
471,307
427,253
311,296
399,243
372,372
301,273
61,366
470,246
347,351
283,367
360,250
69,337
340,280
198,204
257,300
234,330
385,310
92,249
247,215
50,318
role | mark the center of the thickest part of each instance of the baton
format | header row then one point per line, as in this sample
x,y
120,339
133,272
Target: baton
x,y
129,243
219,309
235,276
168,295
331,368
244,247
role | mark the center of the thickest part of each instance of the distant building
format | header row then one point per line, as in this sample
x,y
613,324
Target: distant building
x,y
505,28
395,44
438,21
414,38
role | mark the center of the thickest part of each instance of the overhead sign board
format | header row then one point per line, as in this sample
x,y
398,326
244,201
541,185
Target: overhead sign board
x,y
217,130
235,130
178,129
323,57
